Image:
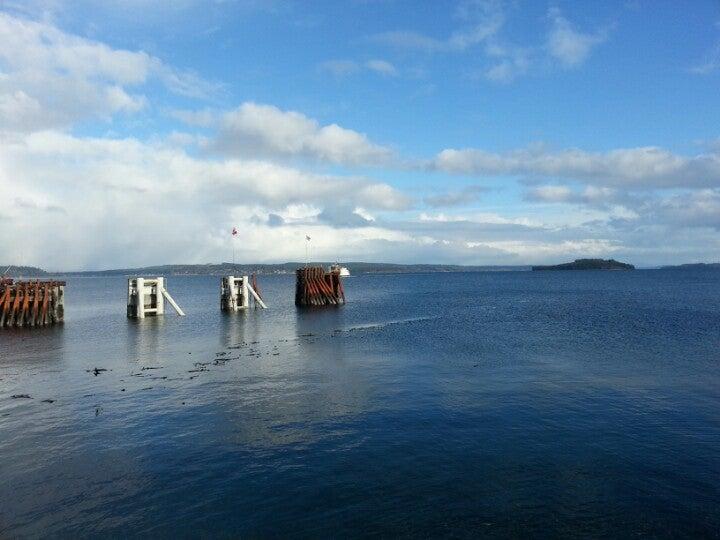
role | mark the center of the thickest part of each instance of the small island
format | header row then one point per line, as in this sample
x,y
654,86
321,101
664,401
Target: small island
x,y
589,264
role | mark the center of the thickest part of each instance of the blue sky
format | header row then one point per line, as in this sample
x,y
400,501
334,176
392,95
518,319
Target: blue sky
x,y
477,132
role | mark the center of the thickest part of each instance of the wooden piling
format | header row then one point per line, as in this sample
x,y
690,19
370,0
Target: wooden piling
x,y
31,303
314,286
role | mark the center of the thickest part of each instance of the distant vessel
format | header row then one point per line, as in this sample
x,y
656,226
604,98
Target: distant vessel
x,y
344,272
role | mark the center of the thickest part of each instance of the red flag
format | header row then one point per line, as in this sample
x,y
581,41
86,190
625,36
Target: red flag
x,y
234,231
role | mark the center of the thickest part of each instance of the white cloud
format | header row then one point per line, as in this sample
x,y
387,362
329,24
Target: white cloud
x,y
533,252
93,203
50,78
480,218
568,45
645,167
254,129
119,191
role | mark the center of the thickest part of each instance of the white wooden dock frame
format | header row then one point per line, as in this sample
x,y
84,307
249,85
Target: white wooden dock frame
x,y
146,296
235,294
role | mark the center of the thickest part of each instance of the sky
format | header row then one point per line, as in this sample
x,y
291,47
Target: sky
x,y
482,132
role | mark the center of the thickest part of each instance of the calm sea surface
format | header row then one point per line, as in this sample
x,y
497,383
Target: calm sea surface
x,y
581,404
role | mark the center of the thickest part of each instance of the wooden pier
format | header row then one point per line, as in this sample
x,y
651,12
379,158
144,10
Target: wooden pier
x,y
316,286
31,303
147,296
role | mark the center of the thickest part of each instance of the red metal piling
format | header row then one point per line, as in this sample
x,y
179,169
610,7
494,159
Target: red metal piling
x,y
315,286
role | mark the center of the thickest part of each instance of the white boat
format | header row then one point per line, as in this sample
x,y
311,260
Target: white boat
x,y
344,272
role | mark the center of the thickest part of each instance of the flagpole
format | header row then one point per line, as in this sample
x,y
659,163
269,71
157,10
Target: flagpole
x,y
233,234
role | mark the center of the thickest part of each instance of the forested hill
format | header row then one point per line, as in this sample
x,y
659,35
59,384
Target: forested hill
x,y
21,271
589,264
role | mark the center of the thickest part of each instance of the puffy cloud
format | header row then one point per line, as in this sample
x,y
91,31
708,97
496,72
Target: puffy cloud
x,y
534,252
254,129
94,202
568,45
634,168
119,191
49,78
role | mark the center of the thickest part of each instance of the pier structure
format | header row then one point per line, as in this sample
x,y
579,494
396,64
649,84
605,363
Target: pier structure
x,y
315,286
31,303
236,293
147,296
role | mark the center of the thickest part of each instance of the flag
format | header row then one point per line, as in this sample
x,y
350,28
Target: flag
x,y
307,238
234,231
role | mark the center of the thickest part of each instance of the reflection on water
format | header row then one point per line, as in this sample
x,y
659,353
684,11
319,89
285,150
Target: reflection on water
x,y
479,404
143,337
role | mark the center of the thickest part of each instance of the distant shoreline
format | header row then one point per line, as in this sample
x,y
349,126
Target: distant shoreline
x,y
356,268
223,269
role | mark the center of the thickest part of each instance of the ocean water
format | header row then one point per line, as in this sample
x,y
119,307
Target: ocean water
x,y
577,404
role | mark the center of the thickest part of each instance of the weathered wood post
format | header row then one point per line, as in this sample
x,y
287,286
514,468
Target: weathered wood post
x,y
58,303
31,303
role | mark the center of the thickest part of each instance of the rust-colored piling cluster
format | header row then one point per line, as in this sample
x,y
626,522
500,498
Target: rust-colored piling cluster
x,y
254,285
31,303
317,287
